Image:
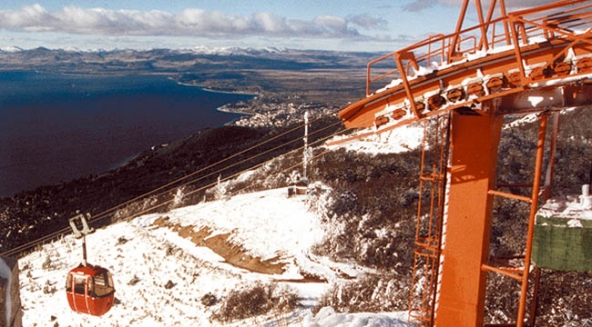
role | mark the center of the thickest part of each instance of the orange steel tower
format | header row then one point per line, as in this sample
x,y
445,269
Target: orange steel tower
x,y
461,86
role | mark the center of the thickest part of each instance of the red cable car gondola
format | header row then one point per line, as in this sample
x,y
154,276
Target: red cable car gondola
x,y
89,288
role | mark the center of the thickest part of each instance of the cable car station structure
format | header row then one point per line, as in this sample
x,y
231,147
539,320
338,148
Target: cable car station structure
x,y
537,60
461,86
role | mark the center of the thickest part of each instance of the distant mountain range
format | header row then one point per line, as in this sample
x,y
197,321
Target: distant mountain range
x,y
178,60
196,50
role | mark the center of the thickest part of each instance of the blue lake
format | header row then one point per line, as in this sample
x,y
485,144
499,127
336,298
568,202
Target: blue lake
x,y
56,127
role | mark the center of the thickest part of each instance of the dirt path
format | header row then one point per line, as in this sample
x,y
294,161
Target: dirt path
x,y
232,253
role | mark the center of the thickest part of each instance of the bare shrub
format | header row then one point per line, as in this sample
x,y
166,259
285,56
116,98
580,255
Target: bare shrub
x,y
371,293
565,299
372,207
143,206
47,264
49,288
134,281
209,300
255,300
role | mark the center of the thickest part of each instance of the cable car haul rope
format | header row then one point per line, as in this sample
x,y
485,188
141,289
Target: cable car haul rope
x,y
235,160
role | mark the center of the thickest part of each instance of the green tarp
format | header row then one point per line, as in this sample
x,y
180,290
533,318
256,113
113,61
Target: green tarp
x,y
563,244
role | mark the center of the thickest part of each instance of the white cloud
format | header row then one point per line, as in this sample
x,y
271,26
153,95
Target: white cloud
x,y
270,24
332,25
368,22
189,22
418,5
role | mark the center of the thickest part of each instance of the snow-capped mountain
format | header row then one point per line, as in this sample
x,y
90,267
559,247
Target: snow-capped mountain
x,y
11,49
226,51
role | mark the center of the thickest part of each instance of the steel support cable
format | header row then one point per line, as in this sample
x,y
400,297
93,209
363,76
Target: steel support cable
x,y
257,155
152,208
262,153
235,174
43,239
237,192
106,213
103,215
253,157
121,205
22,248
221,170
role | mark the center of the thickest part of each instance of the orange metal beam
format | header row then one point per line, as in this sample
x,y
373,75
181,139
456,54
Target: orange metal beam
x,y
473,162
531,219
525,65
510,195
546,57
506,272
455,39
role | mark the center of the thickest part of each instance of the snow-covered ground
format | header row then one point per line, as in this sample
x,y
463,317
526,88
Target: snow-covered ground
x,y
161,276
398,140
574,208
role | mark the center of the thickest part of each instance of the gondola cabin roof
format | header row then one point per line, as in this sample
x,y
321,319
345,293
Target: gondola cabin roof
x,y
88,270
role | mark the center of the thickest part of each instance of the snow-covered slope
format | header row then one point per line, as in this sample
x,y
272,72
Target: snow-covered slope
x,y
163,264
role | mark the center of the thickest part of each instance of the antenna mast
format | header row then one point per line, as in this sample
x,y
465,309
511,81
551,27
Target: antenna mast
x,y
305,151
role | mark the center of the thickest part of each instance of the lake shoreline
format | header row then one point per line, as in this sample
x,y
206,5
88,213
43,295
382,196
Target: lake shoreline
x,y
47,117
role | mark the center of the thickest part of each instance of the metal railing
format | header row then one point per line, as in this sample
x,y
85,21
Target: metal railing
x,y
556,20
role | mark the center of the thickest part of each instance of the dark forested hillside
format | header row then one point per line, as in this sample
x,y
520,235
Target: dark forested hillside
x,y
32,214
376,201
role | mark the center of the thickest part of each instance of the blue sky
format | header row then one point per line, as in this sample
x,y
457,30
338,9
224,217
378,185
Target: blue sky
x,y
345,25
